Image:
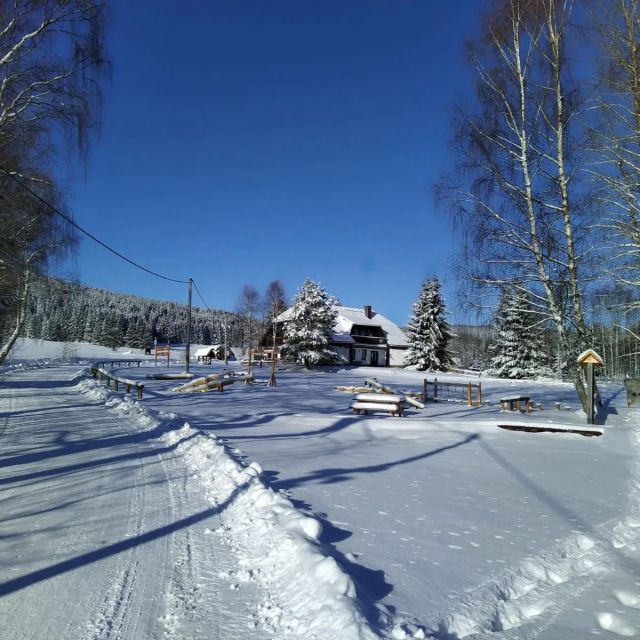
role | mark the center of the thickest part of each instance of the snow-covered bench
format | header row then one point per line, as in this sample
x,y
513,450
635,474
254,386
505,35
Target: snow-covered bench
x,y
365,402
515,403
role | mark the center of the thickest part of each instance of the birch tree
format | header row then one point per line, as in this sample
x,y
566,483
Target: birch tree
x,y
617,134
51,59
524,217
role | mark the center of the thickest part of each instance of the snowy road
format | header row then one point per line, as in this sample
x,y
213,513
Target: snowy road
x,y
99,537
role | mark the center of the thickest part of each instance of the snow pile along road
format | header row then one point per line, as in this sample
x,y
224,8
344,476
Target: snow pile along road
x,y
307,594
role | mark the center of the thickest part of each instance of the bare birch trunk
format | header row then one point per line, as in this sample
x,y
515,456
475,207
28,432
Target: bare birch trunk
x,y
20,318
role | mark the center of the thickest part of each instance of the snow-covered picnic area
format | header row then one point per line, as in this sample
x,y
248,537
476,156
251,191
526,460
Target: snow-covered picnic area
x,y
440,523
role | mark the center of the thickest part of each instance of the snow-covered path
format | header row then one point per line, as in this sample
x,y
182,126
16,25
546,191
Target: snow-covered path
x,y
98,536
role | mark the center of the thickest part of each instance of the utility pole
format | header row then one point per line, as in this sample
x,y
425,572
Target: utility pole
x,y
226,349
187,355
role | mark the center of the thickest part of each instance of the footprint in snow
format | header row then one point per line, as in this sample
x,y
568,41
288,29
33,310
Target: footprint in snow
x,y
628,599
615,624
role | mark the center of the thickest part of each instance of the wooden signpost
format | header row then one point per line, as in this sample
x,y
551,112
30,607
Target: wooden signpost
x,y
588,359
163,351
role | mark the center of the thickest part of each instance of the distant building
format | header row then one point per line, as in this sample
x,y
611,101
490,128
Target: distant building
x,y
362,336
212,352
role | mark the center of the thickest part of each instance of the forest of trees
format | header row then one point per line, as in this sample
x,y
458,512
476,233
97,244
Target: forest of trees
x,y
69,312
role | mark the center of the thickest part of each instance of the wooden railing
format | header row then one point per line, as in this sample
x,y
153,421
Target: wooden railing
x,y
119,363
99,373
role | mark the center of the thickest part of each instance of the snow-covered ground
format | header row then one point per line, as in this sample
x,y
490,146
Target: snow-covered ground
x,y
436,524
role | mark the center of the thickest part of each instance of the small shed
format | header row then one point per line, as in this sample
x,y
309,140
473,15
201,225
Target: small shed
x,y
207,354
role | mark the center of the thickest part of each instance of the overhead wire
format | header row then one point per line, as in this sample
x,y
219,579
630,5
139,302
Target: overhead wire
x,y
87,233
195,286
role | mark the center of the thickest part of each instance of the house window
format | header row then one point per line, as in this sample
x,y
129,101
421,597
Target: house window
x,y
363,355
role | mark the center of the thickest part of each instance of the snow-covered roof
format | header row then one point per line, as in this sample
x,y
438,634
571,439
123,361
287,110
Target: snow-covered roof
x,y
204,351
348,316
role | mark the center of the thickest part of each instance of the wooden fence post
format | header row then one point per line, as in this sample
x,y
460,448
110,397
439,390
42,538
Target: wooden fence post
x,y
425,391
469,402
479,394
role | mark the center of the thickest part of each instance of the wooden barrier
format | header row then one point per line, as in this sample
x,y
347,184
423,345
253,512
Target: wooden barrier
x,y
452,391
100,373
216,381
119,363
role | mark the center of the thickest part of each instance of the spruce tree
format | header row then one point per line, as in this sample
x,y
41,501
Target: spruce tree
x,y
428,330
307,335
143,334
111,334
518,348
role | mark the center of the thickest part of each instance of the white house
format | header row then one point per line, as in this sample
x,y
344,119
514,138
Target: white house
x,y
361,336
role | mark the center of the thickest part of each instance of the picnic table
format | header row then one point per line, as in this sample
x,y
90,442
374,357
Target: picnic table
x,y
365,402
515,403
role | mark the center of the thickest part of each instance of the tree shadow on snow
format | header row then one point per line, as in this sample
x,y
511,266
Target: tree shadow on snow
x,y
39,575
331,475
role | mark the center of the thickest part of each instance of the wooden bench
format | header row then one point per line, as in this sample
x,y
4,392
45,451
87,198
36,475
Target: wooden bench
x,y
365,402
515,403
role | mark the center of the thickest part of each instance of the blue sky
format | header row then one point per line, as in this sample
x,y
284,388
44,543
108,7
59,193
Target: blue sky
x,y
248,141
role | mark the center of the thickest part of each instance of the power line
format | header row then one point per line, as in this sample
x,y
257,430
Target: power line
x,y
77,226
201,298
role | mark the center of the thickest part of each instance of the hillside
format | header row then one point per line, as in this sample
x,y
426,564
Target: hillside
x,y
70,312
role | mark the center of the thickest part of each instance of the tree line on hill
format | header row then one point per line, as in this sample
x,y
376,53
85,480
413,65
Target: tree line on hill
x,y
69,312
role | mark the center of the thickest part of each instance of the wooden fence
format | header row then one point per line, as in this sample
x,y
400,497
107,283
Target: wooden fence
x,y
112,363
434,391
100,373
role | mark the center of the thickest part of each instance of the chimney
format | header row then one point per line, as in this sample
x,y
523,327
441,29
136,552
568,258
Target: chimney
x,y
367,311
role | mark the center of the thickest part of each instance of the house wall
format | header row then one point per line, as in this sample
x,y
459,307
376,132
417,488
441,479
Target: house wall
x,y
360,358
396,357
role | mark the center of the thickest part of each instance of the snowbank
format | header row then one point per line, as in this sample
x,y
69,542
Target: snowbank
x,y
307,594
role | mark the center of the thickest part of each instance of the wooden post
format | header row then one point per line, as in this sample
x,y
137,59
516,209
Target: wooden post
x,y
469,401
168,355
425,391
127,389
590,393
140,389
435,389
115,384
272,378
479,394
587,360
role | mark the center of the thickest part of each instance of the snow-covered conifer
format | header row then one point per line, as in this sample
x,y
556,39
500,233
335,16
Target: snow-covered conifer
x,y
111,334
307,334
518,348
428,330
